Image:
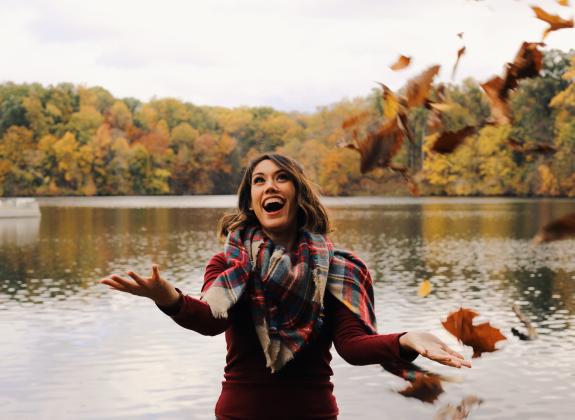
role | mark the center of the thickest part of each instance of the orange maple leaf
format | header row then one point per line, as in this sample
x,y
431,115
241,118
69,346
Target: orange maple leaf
x,y
482,337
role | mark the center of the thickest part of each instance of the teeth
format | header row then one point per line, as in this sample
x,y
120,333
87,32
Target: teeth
x,y
272,200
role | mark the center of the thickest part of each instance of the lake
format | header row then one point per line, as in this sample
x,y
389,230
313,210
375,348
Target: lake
x,y
72,349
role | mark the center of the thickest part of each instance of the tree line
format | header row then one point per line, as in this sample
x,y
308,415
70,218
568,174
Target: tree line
x,y
77,140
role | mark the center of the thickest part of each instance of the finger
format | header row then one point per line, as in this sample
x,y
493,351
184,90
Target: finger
x,y
113,285
136,278
125,283
452,352
155,272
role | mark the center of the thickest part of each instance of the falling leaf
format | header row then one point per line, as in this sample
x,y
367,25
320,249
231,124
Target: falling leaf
x,y
562,228
481,337
459,412
500,110
555,22
448,141
419,87
377,142
425,388
531,331
355,120
401,63
460,35
563,2
424,288
527,63
460,53
537,149
391,104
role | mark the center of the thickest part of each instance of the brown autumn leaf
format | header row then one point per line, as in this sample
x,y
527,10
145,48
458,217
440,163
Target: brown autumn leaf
x,y
460,53
402,62
482,337
556,230
555,22
532,149
448,141
527,63
500,110
419,87
377,142
459,412
460,35
425,388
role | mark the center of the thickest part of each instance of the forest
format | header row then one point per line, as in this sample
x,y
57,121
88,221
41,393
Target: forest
x,y
78,140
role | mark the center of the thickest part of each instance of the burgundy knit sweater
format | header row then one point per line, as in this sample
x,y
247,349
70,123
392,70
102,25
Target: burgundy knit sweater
x,y
302,388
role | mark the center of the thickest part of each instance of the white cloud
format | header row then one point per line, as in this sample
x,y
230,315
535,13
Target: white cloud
x,y
290,54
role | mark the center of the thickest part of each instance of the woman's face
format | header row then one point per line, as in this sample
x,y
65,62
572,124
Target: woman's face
x,y
273,198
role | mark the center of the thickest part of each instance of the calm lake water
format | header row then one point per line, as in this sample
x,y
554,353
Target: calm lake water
x,y
72,349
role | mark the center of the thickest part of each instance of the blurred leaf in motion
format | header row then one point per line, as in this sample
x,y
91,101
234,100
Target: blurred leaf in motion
x,y
459,412
425,388
424,288
401,63
448,141
555,22
555,230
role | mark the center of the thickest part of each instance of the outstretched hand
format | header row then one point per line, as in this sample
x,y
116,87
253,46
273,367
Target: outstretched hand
x,y
433,348
154,287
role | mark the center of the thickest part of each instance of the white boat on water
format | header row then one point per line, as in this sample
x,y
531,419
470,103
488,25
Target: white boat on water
x,y
19,208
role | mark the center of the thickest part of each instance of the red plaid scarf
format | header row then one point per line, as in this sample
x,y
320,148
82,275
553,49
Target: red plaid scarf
x,y
286,290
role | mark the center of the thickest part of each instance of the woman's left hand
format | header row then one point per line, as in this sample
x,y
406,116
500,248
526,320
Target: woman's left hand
x,y
433,348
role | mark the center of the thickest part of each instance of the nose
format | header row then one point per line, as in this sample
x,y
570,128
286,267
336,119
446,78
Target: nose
x,y
270,185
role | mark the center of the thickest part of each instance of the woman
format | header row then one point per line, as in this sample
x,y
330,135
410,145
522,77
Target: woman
x,y
282,294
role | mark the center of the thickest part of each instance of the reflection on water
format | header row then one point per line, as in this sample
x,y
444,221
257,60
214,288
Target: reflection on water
x,y
19,232
71,349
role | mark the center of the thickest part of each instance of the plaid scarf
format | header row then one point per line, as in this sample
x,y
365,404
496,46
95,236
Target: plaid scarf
x,y
286,291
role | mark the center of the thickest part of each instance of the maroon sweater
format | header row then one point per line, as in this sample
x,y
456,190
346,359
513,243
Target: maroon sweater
x,y
302,388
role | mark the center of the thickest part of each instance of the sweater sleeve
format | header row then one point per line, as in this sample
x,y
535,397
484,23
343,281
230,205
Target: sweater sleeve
x,y
194,314
358,347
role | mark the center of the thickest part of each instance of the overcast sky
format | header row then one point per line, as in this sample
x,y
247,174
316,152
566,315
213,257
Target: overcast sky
x,y
289,54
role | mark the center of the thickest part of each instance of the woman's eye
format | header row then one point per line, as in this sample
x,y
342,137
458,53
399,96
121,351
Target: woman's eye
x,y
283,177
258,179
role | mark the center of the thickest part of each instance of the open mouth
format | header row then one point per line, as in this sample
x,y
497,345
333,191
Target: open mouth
x,y
273,205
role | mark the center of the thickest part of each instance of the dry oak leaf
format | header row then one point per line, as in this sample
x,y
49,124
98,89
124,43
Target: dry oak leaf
x,y
402,62
426,388
555,22
448,141
419,87
555,230
482,337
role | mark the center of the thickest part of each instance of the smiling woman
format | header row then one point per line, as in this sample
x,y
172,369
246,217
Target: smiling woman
x,y
283,294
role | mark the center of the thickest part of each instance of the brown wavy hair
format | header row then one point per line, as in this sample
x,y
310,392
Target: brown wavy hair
x,y
311,214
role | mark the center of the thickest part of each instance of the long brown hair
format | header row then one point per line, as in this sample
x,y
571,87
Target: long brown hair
x,y
311,214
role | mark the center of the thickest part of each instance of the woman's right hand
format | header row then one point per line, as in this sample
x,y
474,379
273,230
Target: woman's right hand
x,y
154,287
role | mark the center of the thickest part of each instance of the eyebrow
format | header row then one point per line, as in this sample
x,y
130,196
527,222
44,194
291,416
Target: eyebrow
x,y
273,173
